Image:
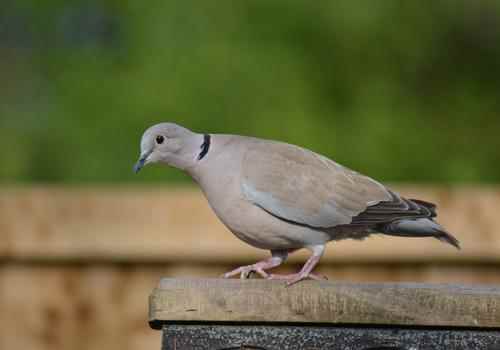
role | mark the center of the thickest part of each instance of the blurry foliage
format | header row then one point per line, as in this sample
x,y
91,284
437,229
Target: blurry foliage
x,y
402,91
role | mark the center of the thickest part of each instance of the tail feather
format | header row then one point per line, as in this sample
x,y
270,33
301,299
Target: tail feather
x,y
446,237
419,228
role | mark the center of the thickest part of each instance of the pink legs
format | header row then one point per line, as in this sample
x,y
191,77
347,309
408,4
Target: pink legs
x,y
277,258
305,272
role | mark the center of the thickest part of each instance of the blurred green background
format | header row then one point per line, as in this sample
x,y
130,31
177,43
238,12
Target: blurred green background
x,y
401,91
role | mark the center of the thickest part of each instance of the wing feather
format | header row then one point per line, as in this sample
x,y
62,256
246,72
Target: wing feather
x,y
395,209
301,186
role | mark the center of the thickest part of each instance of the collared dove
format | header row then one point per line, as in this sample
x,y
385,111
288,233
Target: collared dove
x,y
282,197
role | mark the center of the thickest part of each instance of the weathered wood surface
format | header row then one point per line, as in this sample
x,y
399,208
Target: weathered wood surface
x,y
219,300
258,337
76,306
164,225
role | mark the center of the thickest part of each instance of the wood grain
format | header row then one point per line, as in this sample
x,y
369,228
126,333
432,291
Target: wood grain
x,y
76,306
164,225
219,300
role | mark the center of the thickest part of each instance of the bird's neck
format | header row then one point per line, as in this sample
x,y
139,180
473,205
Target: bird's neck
x,y
194,150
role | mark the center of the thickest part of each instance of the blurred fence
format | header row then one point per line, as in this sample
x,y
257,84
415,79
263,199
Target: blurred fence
x,y
79,263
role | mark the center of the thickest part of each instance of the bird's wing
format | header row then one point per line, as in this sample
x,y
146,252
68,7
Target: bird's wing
x,y
301,186
395,209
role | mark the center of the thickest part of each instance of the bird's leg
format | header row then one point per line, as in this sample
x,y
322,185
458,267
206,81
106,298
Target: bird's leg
x,y
305,272
276,259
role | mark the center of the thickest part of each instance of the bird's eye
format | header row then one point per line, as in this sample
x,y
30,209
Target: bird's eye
x,y
159,139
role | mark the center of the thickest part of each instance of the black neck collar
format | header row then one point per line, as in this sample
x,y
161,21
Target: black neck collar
x,y
204,146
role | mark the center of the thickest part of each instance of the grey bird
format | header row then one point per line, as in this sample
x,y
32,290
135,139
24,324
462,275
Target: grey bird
x,y
281,197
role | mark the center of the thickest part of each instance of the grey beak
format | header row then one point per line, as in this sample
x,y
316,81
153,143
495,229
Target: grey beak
x,y
140,163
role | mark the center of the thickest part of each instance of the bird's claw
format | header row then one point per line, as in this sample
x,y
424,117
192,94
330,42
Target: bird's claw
x,y
246,272
297,277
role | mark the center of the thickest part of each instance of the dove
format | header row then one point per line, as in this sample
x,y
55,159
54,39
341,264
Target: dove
x,y
281,197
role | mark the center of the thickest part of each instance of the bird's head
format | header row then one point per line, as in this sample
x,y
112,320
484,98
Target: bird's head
x,y
170,144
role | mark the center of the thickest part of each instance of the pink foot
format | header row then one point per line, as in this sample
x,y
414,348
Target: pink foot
x,y
246,271
297,277
305,272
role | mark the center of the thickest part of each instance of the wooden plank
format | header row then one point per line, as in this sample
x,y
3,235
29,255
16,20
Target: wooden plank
x,y
60,307
219,300
158,224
